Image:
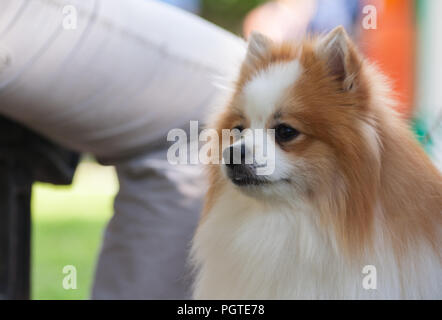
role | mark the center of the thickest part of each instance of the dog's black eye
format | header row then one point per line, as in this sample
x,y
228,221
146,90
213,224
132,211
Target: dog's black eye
x,y
240,128
284,133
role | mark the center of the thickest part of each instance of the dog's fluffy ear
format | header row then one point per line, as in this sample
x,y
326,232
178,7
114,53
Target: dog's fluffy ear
x,y
259,49
341,57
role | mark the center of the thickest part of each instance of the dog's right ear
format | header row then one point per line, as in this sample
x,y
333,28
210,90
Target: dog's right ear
x,y
259,49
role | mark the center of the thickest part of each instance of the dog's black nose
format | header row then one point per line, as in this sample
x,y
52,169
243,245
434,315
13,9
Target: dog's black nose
x,y
236,157
239,170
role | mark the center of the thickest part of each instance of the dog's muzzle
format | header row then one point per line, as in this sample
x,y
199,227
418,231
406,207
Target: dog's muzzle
x,y
238,169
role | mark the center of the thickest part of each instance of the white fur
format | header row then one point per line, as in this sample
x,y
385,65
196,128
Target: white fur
x,y
266,90
248,250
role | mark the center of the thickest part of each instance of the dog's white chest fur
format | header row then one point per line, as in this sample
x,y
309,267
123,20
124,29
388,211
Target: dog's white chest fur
x,y
245,251
248,251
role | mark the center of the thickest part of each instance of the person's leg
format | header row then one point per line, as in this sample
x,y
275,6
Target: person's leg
x,y
147,240
114,86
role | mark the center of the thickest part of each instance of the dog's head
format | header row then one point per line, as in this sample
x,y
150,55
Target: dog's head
x,y
300,119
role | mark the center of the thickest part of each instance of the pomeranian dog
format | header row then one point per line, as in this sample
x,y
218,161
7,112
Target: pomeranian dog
x,y
352,194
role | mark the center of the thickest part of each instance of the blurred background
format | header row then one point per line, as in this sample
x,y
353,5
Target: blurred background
x,y
404,37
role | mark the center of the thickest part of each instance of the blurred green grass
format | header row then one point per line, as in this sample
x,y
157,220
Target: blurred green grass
x,y
228,14
68,223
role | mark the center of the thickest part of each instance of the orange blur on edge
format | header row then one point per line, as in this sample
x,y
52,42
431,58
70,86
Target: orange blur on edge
x,y
392,46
